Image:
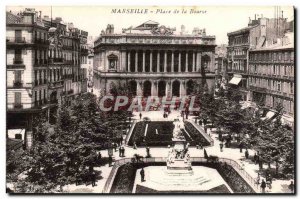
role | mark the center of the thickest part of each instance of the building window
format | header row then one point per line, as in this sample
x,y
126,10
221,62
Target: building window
x,y
18,99
112,60
292,56
278,86
292,87
18,78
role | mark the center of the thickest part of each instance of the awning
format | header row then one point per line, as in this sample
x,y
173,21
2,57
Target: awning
x,y
12,133
269,115
235,80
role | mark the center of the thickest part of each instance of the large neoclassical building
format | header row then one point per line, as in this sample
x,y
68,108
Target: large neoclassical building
x,y
154,60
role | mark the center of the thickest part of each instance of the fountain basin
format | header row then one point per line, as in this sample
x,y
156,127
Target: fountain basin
x,y
161,179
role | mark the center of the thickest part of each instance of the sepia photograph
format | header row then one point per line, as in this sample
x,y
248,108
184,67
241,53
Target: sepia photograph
x,y
153,100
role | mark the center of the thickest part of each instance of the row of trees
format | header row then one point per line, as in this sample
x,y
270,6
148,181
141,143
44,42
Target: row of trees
x,y
270,137
66,150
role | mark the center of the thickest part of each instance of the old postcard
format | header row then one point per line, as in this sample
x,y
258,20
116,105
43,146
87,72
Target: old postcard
x,y
150,99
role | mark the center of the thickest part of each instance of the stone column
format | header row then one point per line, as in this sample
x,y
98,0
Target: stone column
x,y
123,63
151,61
179,61
186,61
165,62
181,89
198,62
194,68
128,62
152,88
172,62
144,61
212,61
158,57
136,61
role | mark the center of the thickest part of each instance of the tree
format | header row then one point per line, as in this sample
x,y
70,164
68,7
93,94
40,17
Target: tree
x,y
66,150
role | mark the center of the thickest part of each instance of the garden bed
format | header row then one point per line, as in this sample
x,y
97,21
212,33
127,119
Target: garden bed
x,y
196,136
163,138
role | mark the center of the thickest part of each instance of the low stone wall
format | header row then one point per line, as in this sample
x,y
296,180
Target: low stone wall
x,y
124,180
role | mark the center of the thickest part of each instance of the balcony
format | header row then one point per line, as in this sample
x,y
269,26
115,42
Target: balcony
x,y
18,106
18,84
84,51
68,76
58,60
41,41
67,47
57,84
18,40
18,61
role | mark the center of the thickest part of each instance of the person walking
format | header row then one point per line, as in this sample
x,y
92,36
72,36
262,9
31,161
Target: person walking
x,y
120,151
148,152
93,178
221,146
109,160
142,172
263,186
255,158
140,116
246,154
123,152
260,164
241,147
291,187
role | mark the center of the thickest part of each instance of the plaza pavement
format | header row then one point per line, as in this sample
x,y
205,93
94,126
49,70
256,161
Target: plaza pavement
x,y
278,186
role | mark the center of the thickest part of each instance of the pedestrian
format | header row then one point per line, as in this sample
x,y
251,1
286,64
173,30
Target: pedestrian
x,y
120,151
260,164
246,154
142,172
205,129
77,176
221,146
201,145
123,152
93,178
115,146
134,145
263,186
109,160
241,147
140,116
291,187
148,152
255,158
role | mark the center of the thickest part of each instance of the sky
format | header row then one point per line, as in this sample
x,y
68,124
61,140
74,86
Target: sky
x,y
217,20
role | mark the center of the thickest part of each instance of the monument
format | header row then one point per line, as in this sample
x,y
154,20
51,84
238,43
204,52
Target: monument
x,y
179,176
178,156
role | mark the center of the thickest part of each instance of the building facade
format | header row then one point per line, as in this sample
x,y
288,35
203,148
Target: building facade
x,y
43,66
153,60
27,68
271,76
259,33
